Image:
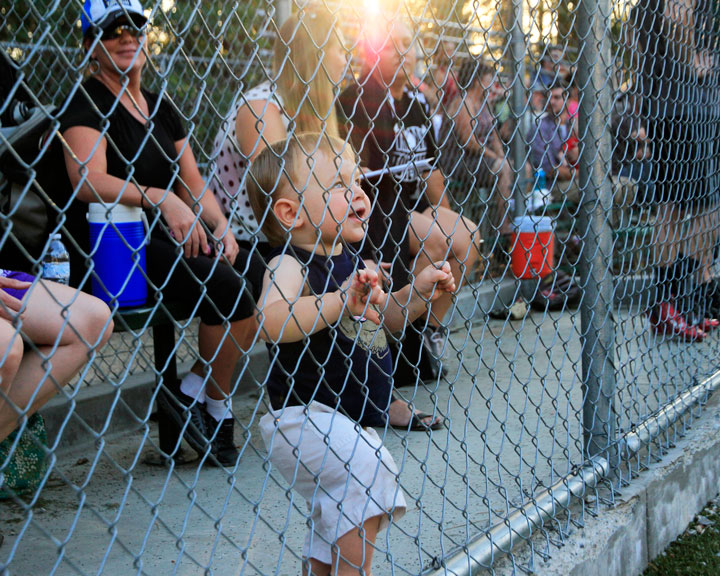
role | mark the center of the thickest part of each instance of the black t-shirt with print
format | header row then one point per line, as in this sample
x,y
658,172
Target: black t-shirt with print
x,y
386,133
347,366
136,152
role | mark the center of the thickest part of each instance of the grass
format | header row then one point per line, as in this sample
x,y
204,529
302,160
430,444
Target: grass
x,y
696,552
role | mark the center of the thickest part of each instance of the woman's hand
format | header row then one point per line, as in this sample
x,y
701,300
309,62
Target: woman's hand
x,y
363,292
433,281
11,304
227,243
184,226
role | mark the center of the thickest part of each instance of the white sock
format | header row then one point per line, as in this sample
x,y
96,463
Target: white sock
x,y
194,386
219,409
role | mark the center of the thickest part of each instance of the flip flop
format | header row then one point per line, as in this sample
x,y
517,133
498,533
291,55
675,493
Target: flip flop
x,y
417,423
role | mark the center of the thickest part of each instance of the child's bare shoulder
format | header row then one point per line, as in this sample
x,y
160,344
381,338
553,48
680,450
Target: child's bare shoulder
x,y
284,260
285,274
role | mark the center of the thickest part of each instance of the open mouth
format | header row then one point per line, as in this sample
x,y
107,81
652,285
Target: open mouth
x,y
359,211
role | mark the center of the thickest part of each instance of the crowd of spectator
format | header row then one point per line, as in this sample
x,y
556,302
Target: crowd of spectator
x,y
327,216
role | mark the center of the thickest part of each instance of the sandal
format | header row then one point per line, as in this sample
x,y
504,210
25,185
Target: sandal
x,y
417,423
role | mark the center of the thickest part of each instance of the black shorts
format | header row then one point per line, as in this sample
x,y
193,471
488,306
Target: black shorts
x,y
253,268
387,240
202,285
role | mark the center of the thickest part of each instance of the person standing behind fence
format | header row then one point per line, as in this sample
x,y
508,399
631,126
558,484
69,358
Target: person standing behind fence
x,y
412,223
548,138
330,375
63,328
553,66
674,83
632,150
125,144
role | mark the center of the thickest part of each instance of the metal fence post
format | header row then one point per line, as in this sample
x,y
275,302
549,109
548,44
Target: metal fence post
x,y
598,327
518,51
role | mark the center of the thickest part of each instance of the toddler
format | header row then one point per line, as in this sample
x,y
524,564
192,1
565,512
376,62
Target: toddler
x,y
322,316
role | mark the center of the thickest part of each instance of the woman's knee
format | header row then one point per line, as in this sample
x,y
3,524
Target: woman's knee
x,y
228,297
241,332
91,319
12,350
435,246
245,332
460,230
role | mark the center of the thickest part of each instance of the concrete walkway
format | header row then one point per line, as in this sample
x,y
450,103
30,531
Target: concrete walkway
x,y
511,401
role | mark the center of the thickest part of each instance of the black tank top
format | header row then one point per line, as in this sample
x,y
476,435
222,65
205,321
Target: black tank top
x,y
347,366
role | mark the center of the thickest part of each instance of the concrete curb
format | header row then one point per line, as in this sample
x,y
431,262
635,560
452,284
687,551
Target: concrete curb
x,y
649,514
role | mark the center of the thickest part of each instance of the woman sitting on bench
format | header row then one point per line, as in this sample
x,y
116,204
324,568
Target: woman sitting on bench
x,y
126,144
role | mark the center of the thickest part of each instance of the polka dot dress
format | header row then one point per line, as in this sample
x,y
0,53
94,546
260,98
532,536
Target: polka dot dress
x,y
228,183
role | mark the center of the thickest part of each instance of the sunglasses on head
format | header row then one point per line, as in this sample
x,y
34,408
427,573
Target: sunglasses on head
x,y
114,32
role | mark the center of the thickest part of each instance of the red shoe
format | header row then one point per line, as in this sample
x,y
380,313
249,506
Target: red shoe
x,y
708,324
666,320
694,313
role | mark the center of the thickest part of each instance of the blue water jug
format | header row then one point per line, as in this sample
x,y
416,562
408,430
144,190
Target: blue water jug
x,y
117,248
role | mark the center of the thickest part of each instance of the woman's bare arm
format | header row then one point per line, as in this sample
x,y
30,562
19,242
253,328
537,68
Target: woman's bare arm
x,y
86,162
193,190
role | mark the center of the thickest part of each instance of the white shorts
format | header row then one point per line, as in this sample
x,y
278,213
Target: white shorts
x,y
357,478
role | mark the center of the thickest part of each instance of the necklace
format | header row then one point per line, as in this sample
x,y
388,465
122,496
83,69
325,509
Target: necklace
x,y
138,110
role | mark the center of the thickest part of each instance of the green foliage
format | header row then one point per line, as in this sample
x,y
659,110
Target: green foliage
x,y
696,552
210,51
203,54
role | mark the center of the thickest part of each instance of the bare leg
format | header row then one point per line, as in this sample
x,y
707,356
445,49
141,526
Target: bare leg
x,y
352,555
399,414
701,242
713,235
12,348
504,193
354,550
440,234
221,347
66,327
317,568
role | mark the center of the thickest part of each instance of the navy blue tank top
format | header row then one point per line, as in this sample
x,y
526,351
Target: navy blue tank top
x,y
347,366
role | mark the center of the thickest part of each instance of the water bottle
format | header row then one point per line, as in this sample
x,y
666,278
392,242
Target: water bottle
x,y
540,196
56,262
540,182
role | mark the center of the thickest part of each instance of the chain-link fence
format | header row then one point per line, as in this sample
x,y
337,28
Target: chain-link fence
x,y
538,180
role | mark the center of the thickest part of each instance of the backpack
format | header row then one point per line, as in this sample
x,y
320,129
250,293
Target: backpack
x,y
25,218
27,133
